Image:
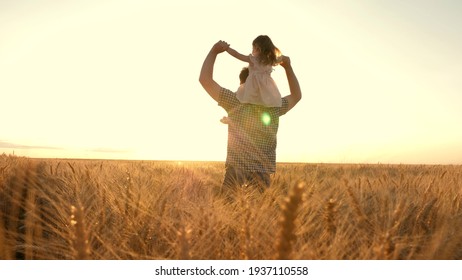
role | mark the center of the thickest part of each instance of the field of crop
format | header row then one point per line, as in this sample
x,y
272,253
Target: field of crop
x,y
98,209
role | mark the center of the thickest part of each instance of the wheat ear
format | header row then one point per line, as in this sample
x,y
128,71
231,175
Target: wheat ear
x,y
184,236
330,212
287,235
80,238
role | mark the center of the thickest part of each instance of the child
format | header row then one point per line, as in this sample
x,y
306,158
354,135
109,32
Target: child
x,y
260,88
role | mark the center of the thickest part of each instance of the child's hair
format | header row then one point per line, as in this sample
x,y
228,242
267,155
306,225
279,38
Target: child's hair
x,y
269,54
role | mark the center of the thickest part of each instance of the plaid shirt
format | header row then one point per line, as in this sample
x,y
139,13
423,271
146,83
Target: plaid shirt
x,y
252,133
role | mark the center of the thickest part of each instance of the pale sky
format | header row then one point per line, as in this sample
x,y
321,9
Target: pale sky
x,y
381,80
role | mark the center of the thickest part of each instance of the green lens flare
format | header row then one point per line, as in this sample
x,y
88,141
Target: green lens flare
x,y
265,118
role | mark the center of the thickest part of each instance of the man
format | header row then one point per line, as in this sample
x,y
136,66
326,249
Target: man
x,y
242,78
252,130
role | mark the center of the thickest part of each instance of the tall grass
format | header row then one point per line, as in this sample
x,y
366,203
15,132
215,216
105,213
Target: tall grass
x,y
95,209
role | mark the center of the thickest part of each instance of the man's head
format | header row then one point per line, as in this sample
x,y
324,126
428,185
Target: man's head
x,y
243,75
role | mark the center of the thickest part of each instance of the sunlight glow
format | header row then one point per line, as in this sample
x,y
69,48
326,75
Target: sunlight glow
x,y
266,118
106,79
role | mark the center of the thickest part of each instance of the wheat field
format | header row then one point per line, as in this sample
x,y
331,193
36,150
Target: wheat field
x,y
110,210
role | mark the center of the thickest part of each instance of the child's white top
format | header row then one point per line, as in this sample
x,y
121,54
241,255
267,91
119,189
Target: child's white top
x,y
259,88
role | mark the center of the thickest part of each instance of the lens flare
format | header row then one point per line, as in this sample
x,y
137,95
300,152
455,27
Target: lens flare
x,y
266,118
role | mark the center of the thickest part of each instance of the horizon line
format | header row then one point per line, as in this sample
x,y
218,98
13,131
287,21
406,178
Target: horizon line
x,y
223,161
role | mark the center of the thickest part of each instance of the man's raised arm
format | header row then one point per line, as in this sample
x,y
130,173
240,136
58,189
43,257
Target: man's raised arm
x,y
206,75
294,86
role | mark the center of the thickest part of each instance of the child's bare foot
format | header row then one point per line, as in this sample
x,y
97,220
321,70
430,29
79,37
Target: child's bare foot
x,y
225,120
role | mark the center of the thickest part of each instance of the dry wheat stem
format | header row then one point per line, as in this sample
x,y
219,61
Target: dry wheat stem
x,y
184,237
287,235
80,238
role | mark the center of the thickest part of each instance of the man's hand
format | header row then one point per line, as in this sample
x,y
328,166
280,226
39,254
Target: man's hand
x,y
220,47
285,61
206,76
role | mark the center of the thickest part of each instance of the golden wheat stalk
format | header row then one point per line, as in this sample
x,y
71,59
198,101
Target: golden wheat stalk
x,y
385,248
330,213
287,223
363,220
79,239
183,237
5,248
30,221
246,236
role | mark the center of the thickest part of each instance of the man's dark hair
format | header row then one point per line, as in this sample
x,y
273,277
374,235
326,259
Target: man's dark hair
x,y
244,74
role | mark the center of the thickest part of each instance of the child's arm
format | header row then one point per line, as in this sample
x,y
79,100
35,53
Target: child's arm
x,y
238,55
